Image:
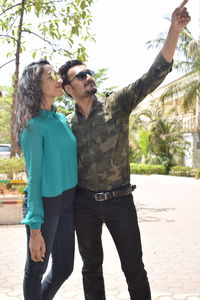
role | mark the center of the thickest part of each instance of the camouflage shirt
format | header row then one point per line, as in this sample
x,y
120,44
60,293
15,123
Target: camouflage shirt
x,y
103,143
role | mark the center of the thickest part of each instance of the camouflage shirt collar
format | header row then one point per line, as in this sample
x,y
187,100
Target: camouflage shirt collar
x,y
95,105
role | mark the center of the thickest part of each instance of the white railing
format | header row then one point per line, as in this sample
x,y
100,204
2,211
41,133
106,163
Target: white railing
x,y
187,122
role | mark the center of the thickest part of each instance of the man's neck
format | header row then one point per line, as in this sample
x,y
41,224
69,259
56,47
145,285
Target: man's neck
x,y
85,105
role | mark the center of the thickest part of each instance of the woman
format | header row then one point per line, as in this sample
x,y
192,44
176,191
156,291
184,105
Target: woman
x,y
49,149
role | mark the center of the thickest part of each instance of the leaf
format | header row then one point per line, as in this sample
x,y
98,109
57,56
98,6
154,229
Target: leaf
x,y
84,14
34,54
68,9
46,21
74,30
83,5
9,54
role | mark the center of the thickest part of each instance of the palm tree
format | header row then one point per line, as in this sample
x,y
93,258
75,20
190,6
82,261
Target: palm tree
x,y
189,62
143,142
157,139
193,90
167,142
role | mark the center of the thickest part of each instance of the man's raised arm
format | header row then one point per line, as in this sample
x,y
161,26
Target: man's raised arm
x,y
180,19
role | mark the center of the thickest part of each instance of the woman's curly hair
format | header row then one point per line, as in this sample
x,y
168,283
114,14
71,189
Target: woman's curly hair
x,y
29,96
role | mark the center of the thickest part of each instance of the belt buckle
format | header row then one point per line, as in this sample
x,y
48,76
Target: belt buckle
x,y
101,196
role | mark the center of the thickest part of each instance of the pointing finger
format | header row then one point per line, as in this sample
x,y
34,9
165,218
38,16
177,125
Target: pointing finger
x,y
181,6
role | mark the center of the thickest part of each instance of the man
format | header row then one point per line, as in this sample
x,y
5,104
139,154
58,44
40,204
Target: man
x,y
104,193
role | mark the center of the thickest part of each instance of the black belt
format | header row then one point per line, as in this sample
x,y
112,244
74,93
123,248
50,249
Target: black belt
x,y
102,196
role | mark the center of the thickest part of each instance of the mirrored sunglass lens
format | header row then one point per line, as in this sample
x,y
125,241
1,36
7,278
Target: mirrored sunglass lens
x,y
53,75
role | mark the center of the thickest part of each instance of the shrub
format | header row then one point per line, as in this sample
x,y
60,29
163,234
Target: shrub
x,y
147,169
11,166
12,189
198,173
183,171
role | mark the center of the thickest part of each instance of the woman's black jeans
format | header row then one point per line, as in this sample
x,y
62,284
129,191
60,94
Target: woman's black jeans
x,y
120,217
58,233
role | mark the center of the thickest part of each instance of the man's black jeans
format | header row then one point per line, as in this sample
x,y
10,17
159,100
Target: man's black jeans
x,y
120,217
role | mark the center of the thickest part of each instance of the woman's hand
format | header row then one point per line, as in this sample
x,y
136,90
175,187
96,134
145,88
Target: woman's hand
x,y
37,245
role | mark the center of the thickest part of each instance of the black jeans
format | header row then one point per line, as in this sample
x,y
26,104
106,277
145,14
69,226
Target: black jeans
x,y
58,232
120,217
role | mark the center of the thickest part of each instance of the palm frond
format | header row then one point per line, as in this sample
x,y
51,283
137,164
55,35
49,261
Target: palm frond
x,y
156,42
170,92
192,90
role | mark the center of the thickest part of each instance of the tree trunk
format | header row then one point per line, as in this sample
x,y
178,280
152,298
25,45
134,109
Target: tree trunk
x,y
16,77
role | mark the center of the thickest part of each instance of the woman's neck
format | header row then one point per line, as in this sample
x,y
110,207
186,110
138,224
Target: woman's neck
x,y
46,105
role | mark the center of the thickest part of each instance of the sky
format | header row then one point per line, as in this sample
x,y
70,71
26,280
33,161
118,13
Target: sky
x,y
122,29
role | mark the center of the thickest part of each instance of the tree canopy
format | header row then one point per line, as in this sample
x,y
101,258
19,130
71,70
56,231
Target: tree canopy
x,y
58,24
62,25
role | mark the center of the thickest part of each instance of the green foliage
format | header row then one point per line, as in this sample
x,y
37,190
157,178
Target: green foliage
x,y
196,156
12,188
143,140
160,169
135,154
5,119
101,76
182,62
140,145
188,61
167,141
63,110
12,166
184,171
61,26
158,160
8,90
100,79
198,173
155,139
48,21
147,169
66,102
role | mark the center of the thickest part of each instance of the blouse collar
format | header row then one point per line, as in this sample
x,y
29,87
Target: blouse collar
x,y
44,113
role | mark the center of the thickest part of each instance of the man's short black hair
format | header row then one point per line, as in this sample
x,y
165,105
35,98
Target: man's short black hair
x,y
63,71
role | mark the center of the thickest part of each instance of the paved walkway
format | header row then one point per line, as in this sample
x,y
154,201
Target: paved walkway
x,y
168,211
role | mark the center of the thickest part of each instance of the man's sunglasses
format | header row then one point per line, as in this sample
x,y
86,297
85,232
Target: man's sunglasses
x,y
81,76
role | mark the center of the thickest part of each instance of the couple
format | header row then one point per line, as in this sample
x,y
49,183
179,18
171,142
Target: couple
x,y
60,200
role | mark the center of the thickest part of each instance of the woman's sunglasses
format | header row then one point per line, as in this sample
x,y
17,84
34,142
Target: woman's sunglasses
x,y
54,75
81,76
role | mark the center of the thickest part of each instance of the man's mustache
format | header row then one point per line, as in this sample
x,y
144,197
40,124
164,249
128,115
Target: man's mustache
x,y
89,82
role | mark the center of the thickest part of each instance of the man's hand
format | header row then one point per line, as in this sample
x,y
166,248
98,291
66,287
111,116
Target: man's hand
x,y
180,17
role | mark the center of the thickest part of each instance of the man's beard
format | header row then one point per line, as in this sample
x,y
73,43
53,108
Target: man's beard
x,y
92,91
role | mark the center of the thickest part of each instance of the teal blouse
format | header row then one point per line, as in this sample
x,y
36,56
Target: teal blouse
x,y
50,152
